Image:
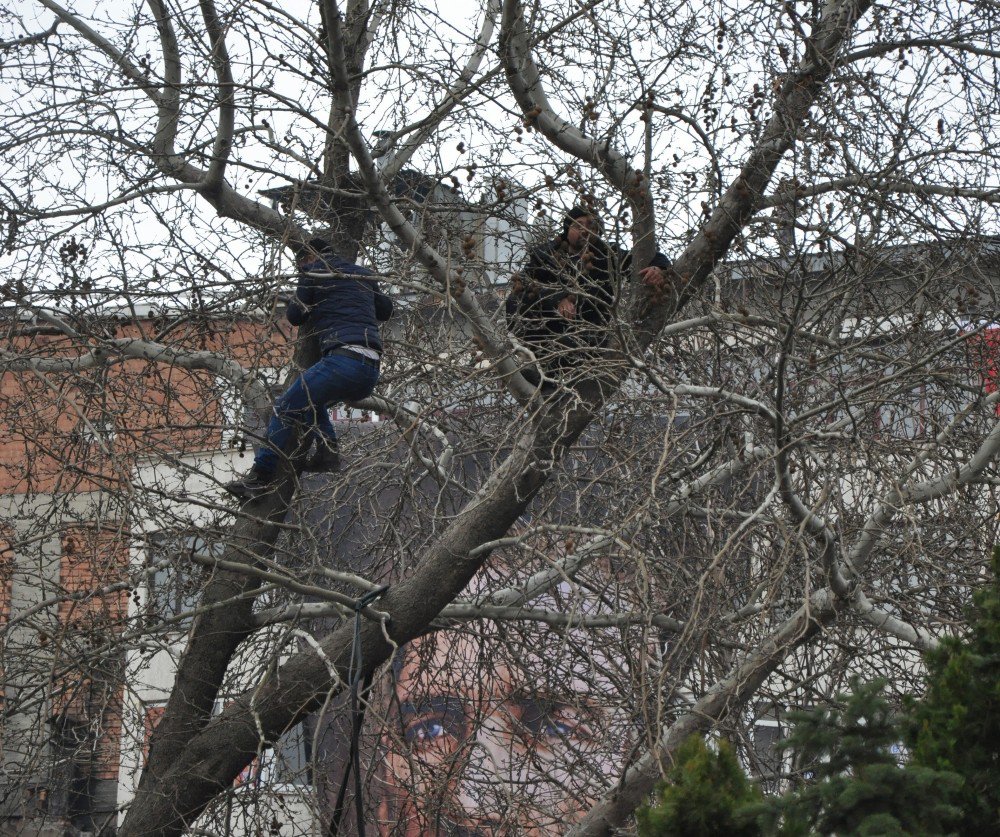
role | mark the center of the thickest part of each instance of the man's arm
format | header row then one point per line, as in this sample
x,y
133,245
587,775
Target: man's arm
x,y
660,261
543,278
655,274
300,304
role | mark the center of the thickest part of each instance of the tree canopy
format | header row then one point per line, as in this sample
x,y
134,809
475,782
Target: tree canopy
x,y
778,471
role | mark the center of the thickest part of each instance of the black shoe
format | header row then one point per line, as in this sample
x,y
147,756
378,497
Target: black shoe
x,y
531,375
251,487
546,385
325,460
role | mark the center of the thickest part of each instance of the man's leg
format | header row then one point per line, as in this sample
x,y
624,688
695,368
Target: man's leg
x,y
295,412
348,377
303,408
326,456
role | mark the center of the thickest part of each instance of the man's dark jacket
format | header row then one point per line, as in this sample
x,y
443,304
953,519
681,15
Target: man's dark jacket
x,y
343,307
552,273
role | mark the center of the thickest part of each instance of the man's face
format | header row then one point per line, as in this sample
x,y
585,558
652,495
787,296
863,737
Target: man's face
x,y
487,738
581,231
307,256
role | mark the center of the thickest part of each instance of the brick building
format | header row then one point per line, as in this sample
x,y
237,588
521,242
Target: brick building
x,y
87,418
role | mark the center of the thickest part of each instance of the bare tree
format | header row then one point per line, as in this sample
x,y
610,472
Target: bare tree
x,y
778,469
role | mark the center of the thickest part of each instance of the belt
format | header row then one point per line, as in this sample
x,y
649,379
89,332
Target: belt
x,y
345,352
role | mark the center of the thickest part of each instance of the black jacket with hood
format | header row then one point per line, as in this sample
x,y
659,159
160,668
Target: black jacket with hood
x,y
552,273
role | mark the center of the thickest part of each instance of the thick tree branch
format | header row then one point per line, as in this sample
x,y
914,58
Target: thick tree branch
x,y
226,98
724,696
221,196
31,40
868,183
796,96
169,103
253,389
450,280
120,60
942,43
458,91
526,84
408,422
885,622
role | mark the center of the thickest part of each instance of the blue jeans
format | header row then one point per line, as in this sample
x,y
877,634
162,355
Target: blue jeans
x,y
303,407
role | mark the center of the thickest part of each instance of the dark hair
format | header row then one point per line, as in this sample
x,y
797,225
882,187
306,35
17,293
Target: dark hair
x,y
579,212
310,246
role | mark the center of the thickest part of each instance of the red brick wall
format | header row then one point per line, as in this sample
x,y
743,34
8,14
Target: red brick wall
x,y
93,559
89,683
152,407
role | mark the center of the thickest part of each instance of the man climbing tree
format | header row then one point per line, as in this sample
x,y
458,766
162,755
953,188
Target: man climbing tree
x,y
344,308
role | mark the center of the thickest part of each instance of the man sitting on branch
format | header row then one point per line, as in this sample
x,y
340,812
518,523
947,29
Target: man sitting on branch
x,y
561,304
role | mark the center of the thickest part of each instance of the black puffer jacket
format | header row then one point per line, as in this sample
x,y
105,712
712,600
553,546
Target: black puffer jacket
x,y
343,307
552,273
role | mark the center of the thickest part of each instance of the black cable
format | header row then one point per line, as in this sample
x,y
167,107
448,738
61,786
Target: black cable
x,y
357,719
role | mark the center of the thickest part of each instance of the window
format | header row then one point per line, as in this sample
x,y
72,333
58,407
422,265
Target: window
x,y
96,434
768,759
174,578
287,763
71,793
97,407
292,757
